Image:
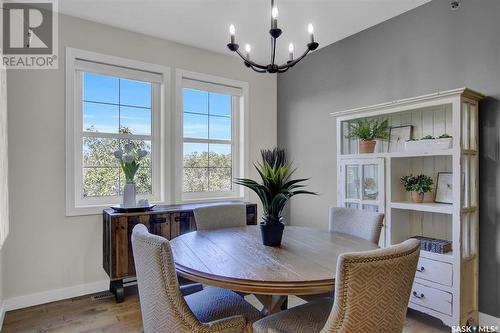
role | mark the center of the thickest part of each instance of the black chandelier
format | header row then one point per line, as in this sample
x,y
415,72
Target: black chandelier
x,y
275,32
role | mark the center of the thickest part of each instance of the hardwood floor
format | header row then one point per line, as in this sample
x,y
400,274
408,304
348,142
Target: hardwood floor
x,y
85,315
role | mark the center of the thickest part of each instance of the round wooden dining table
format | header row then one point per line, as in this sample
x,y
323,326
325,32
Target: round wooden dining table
x,y
236,259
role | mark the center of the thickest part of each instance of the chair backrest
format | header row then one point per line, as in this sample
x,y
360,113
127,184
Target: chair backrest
x,y
220,216
355,222
162,306
372,289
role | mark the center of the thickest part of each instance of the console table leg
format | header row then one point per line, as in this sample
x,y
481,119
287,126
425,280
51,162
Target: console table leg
x,y
116,287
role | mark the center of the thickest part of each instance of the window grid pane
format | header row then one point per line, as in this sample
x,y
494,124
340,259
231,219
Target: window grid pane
x,y
207,164
114,105
101,181
102,175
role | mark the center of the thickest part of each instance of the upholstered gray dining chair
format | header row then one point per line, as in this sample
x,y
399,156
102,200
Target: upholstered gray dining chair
x,y
220,216
165,310
361,223
372,290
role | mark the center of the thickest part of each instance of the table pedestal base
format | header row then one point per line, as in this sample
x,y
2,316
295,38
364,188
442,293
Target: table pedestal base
x,y
271,303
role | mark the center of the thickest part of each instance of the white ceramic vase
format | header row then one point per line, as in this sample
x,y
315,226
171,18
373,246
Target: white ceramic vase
x,y
129,192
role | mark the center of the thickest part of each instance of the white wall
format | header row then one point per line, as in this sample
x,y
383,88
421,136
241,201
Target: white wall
x,y
4,187
47,250
2,304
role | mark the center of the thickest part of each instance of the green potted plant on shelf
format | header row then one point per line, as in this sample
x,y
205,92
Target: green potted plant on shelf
x,y
419,185
429,143
367,131
274,191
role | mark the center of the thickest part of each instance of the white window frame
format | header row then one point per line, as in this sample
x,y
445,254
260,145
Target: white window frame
x,y
239,146
76,62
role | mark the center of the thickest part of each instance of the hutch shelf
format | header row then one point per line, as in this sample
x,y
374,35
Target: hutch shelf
x,y
167,221
446,285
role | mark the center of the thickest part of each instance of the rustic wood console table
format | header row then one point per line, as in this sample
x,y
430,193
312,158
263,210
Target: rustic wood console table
x,y
167,221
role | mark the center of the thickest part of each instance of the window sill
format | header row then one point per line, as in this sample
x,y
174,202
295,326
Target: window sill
x,y
96,209
217,199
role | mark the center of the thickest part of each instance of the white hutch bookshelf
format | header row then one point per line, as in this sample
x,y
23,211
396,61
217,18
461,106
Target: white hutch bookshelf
x,y
446,285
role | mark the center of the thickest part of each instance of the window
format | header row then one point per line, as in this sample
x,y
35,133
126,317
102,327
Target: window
x,y
116,111
211,113
112,102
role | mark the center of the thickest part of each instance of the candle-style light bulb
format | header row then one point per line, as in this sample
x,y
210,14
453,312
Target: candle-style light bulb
x,y
248,48
274,15
290,51
310,29
232,32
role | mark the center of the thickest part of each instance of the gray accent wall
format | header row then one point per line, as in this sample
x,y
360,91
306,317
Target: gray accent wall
x,y
426,50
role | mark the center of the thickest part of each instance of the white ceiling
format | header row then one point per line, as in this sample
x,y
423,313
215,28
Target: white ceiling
x,y
204,23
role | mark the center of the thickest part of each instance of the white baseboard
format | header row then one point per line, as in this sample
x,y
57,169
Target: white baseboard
x,y
43,297
487,320
2,314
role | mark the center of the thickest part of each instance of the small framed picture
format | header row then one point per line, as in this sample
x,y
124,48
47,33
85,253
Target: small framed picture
x,y
444,188
397,138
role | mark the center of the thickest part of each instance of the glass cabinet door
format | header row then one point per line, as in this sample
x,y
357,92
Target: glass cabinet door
x,y
361,183
352,182
361,186
370,181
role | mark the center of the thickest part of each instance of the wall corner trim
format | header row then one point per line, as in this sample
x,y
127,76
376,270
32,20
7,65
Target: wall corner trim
x,y
53,295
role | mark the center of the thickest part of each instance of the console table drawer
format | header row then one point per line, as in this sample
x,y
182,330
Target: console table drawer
x,y
435,271
431,298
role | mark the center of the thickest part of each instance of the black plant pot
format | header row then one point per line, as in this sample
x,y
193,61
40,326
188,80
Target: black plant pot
x,y
272,233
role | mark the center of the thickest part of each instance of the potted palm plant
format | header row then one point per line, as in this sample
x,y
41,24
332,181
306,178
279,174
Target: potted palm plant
x,y
367,131
276,188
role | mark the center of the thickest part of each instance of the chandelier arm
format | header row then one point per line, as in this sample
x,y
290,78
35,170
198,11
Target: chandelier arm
x,y
257,70
293,62
283,70
250,62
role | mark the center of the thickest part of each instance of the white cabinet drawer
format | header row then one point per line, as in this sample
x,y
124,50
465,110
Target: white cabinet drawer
x,y
435,271
431,298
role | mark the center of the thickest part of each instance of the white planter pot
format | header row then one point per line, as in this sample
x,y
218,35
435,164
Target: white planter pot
x,y
428,145
129,192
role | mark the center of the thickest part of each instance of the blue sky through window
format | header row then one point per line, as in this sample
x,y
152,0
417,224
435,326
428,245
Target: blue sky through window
x,y
110,102
206,115
220,105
